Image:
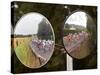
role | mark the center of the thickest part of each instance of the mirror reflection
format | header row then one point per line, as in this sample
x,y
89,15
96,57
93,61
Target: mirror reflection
x,y
77,35
34,40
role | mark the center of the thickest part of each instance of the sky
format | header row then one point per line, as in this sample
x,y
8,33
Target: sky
x,y
28,24
78,18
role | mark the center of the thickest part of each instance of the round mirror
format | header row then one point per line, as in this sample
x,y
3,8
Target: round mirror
x,y
78,35
33,40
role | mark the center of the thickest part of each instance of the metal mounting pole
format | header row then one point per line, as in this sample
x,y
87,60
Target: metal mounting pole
x,y
69,62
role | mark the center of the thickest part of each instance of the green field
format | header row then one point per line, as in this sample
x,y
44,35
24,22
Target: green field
x,y
24,52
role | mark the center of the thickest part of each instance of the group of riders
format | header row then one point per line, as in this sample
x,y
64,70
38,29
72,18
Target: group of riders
x,y
42,45
73,40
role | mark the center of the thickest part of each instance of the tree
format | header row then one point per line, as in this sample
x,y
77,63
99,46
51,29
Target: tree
x,y
44,31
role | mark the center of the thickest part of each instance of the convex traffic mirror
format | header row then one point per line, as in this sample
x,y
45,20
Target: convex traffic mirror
x,y
78,32
33,40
